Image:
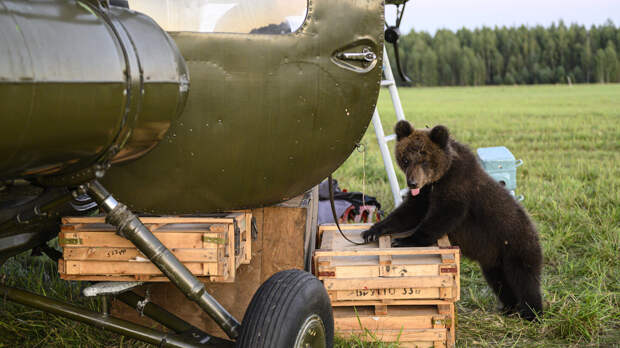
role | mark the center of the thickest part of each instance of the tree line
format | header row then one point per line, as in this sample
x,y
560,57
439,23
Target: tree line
x,y
518,55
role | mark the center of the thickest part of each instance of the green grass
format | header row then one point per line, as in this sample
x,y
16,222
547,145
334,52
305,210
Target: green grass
x,y
22,326
569,139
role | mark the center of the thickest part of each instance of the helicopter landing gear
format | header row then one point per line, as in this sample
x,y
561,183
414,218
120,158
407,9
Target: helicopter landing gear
x,y
291,309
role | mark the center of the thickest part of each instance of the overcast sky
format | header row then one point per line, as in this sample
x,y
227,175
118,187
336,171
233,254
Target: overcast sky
x,y
430,15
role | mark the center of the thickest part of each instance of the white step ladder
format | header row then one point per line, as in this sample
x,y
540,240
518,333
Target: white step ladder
x,y
383,139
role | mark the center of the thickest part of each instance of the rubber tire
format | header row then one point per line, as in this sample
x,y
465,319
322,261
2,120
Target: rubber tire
x,y
279,308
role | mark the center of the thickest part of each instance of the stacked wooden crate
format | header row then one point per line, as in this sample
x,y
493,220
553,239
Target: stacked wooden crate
x,y
403,295
212,248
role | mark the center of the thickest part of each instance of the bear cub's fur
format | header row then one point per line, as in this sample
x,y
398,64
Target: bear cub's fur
x,y
450,193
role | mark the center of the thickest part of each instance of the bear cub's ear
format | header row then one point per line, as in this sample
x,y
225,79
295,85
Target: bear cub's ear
x,y
440,135
403,129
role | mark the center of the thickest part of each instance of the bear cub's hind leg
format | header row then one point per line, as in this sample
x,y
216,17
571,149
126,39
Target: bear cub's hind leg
x,y
525,284
495,277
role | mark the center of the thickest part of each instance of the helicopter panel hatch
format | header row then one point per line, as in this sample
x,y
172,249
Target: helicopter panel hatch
x,y
267,117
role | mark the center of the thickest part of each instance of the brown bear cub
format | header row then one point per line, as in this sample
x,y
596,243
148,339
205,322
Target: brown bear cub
x,y
451,194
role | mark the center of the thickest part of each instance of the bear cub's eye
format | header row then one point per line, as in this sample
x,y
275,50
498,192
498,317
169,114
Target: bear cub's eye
x,y
423,153
405,162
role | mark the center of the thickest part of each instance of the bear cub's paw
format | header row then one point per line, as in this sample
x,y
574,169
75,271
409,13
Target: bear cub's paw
x,y
410,241
401,242
372,234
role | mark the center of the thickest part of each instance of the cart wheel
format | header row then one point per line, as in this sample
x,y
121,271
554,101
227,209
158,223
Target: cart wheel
x,y
291,309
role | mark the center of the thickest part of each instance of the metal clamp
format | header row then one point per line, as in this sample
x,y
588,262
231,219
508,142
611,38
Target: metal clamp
x,y
366,55
141,304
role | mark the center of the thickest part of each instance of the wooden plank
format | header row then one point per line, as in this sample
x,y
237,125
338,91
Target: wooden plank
x,y
398,317
373,260
385,251
355,235
444,242
414,344
282,251
244,223
458,276
382,323
180,228
388,283
62,269
346,296
230,253
247,256
391,302
225,259
112,240
333,227
385,261
399,271
120,268
119,278
350,230
381,309
400,335
149,220
326,242
448,310
132,254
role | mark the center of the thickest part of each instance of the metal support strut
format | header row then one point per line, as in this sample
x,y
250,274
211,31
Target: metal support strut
x,y
130,227
106,322
382,139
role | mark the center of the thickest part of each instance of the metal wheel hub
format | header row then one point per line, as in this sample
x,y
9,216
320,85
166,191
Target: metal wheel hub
x,y
311,334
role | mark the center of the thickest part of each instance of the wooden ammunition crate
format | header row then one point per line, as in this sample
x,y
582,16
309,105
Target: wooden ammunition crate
x,y
377,274
212,248
411,326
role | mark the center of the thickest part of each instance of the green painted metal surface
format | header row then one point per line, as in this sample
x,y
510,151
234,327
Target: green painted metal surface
x,y
268,116
80,85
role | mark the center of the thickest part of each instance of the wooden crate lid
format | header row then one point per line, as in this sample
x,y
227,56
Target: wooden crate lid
x,y
333,241
163,224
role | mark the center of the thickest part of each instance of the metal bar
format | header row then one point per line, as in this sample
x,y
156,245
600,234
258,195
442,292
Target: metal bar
x,y
382,139
387,72
130,227
155,312
105,308
387,160
169,320
36,207
97,319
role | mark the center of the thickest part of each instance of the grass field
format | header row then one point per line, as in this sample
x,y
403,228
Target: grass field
x,y
569,139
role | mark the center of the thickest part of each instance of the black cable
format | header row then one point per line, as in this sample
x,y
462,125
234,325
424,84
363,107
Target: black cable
x,y
400,10
331,201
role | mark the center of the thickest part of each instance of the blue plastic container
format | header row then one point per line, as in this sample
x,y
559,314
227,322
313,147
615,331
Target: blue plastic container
x,y
501,165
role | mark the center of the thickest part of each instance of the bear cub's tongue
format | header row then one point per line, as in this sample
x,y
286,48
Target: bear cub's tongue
x,y
415,192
